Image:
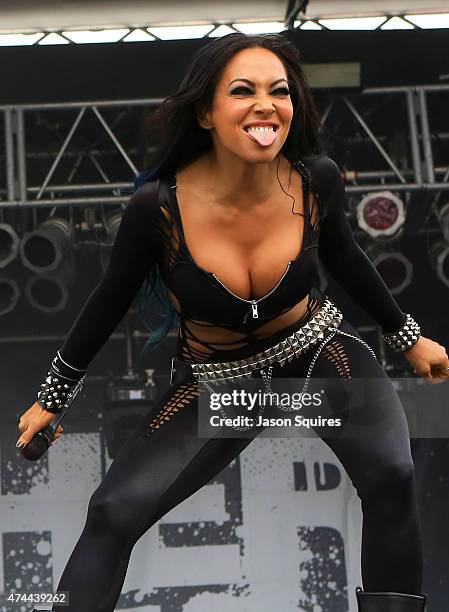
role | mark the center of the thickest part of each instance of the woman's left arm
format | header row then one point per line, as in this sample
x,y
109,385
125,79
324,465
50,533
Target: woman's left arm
x,y
355,272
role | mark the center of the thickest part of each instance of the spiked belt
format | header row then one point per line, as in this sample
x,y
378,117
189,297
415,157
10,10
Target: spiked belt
x,y
328,317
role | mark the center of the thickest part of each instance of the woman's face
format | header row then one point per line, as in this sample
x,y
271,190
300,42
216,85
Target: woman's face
x,y
238,102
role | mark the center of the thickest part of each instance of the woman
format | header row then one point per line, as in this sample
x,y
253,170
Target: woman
x,y
229,229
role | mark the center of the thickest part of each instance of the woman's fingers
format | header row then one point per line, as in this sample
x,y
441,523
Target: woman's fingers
x,y
55,437
27,435
23,425
435,380
29,425
57,433
433,375
438,374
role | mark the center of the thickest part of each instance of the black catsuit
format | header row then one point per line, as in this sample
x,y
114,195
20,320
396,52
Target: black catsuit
x,y
164,461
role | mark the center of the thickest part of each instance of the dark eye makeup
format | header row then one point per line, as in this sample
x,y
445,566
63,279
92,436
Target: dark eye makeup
x,y
284,90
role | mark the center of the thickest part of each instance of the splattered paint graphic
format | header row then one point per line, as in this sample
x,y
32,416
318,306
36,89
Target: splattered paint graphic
x,y
323,575
27,564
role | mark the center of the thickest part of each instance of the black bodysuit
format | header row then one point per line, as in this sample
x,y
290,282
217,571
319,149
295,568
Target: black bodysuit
x,y
151,234
164,460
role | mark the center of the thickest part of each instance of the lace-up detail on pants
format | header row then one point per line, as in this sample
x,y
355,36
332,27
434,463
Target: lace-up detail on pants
x,y
181,398
335,352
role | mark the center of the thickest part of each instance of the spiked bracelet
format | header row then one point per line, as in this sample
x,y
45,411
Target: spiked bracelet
x,y
61,385
405,337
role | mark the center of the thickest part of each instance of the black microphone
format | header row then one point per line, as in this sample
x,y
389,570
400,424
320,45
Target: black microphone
x,y
41,441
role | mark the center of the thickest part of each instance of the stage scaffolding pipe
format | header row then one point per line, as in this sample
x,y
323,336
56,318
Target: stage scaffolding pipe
x,y
421,176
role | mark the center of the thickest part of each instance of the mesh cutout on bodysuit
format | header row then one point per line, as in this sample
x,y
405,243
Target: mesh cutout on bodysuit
x,y
190,353
335,352
192,347
182,396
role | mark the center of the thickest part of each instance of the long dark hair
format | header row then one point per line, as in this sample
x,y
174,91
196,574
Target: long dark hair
x,y
181,140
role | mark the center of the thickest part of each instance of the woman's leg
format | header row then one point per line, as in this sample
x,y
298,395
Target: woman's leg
x,y
374,448
148,477
151,475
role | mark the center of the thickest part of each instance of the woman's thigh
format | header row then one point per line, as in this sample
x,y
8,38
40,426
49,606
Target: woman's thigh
x,y
373,440
153,473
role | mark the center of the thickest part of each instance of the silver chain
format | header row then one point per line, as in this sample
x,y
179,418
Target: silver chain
x,y
315,357
335,330
358,340
308,375
268,376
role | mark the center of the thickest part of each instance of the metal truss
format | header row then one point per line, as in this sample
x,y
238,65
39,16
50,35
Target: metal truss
x,y
81,154
295,19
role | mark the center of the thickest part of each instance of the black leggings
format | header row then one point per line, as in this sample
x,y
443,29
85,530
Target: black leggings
x,y
153,472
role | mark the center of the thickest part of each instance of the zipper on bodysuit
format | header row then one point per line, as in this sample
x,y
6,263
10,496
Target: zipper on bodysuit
x,y
254,303
303,170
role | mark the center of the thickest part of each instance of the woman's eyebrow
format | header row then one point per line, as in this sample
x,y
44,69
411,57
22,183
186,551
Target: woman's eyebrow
x,y
252,82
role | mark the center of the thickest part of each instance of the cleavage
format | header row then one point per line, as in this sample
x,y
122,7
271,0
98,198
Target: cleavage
x,y
248,288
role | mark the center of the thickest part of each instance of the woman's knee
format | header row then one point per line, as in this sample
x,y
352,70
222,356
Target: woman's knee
x,y
108,511
394,480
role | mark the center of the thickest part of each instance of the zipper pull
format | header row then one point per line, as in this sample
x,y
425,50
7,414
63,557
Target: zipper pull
x,y
254,307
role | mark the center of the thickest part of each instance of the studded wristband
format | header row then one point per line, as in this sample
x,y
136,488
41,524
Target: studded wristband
x,y
61,385
405,337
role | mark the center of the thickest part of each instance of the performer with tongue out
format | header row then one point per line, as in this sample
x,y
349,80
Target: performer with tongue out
x,y
226,229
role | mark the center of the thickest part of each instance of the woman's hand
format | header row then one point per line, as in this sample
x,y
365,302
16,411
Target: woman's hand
x,y
33,420
429,359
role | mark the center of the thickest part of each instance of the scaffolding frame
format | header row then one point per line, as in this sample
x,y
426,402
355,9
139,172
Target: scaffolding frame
x,y
421,176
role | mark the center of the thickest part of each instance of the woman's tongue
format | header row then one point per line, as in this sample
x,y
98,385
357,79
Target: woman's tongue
x,y
263,137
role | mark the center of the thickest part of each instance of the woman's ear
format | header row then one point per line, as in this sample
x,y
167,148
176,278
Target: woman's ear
x,y
203,119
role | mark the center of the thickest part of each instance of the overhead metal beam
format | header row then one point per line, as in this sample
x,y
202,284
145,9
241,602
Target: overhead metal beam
x,y
64,14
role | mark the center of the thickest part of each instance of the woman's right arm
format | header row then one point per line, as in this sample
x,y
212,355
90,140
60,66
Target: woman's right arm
x,y
134,252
